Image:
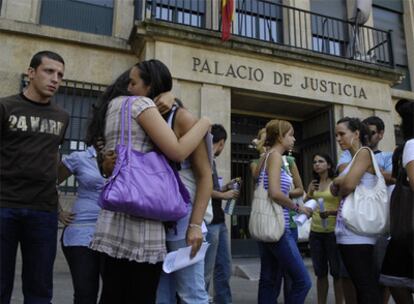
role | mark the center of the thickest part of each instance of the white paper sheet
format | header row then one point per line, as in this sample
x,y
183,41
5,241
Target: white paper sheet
x,y
300,219
180,258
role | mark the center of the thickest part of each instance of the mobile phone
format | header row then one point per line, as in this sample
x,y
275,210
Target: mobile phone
x,y
317,178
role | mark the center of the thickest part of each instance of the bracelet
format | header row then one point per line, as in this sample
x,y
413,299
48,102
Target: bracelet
x,y
194,226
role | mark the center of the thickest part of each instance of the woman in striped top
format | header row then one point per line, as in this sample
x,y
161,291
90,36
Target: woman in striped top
x,y
283,254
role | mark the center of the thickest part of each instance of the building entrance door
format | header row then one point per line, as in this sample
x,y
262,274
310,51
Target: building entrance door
x,y
313,134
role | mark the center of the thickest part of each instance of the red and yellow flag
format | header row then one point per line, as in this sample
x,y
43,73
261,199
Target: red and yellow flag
x,y
227,13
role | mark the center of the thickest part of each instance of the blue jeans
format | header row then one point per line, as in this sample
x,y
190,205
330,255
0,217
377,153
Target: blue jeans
x,y
187,282
282,276
36,231
218,261
283,255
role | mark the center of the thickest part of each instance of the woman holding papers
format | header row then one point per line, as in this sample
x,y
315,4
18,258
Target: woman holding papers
x,y
322,239
283,253
195,173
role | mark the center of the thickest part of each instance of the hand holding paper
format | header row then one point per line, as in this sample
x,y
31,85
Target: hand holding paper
x,y
300,219
179,259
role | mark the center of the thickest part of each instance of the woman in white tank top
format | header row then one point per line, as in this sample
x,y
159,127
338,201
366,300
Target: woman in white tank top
x,y
356,250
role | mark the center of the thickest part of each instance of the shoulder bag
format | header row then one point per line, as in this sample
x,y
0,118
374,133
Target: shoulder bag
x,y
267,222
365,211
143,184
402,205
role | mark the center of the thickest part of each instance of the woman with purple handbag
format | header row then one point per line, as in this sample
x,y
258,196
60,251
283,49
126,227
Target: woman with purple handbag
x,y
134,247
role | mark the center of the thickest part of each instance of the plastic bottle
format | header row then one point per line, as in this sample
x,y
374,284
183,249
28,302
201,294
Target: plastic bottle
x,y
231,203
322,209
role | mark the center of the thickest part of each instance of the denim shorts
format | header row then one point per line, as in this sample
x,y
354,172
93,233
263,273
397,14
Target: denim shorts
x,y
324,251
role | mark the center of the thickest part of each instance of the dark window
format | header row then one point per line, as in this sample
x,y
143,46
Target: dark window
x,y
92,16
77,99
387,19
188,12
259,19
329,35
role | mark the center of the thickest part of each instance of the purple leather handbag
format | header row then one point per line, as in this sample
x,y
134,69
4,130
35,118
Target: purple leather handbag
x,y
143,184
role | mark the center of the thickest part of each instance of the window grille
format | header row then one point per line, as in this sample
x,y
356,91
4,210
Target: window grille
x,y
77,99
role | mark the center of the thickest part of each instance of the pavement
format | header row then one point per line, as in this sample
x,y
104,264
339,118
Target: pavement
x,y
244,282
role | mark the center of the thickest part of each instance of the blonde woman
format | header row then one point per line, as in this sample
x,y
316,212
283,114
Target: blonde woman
x,y
283,254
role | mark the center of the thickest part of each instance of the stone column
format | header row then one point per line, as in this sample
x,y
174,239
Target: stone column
x,y
388,142
123,19
297,26
212,14
25,11
409,36
216,104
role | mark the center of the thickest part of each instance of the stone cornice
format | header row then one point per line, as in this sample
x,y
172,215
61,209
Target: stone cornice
x,y
49,32
166,31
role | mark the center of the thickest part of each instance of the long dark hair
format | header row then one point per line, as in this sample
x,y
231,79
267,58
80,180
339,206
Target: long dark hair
x,y
354,124
405,109
155,74
328,159
96,126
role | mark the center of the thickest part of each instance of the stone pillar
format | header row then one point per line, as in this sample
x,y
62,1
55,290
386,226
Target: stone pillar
x,y
295,23
216,104
123,19
212,14
388,142
409,36
25,11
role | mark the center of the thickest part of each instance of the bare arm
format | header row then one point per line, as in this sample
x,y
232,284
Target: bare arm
x,y
224,195
341,168
65,217
362,163
253,168
389,180
164,102
63,173
274,164
297,182
410,173
204,184
164,138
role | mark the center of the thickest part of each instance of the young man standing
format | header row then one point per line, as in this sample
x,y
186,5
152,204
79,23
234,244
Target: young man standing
x,y
218,259
31,129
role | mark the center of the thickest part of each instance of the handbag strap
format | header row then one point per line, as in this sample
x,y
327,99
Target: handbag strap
x,y
263,169
373,160
124,104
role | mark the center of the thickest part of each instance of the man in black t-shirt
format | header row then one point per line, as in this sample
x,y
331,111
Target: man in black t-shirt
x,y
31,129
218,258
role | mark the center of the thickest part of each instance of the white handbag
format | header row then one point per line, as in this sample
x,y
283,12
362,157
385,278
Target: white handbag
x,y
267,222
365,211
